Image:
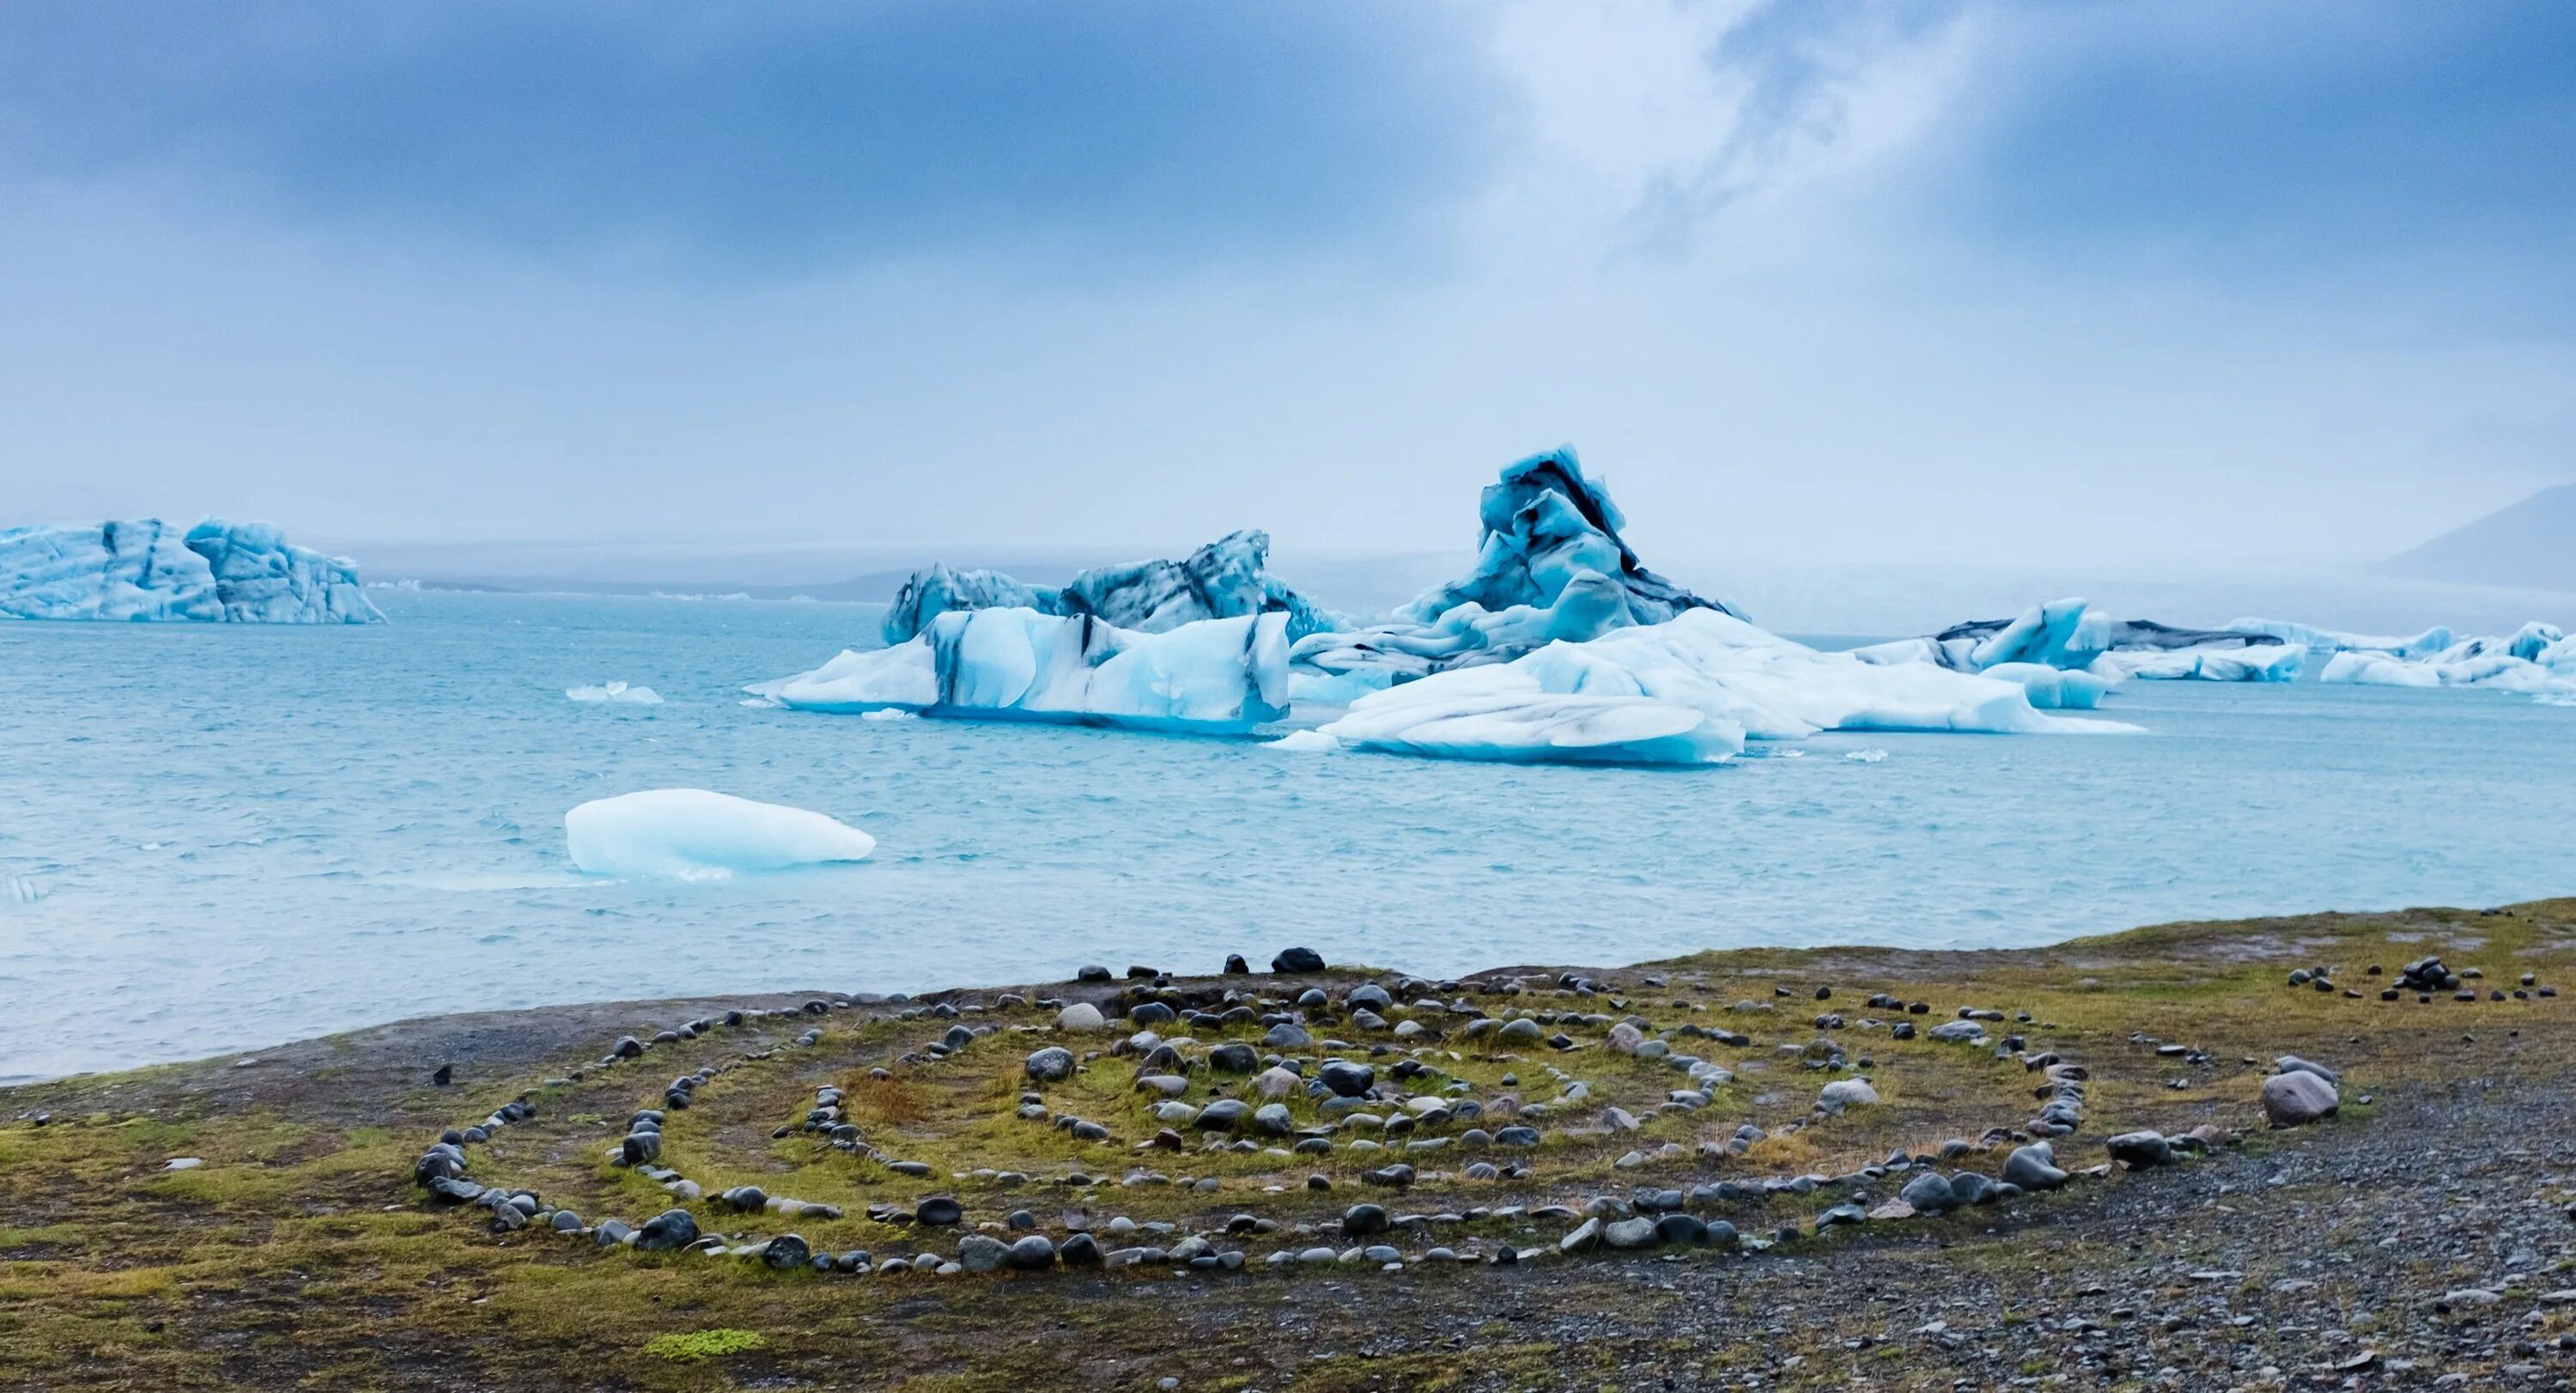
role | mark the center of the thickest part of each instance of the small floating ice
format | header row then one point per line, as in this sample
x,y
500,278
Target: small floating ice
x,y
616,691
890,713
1870,756
694,834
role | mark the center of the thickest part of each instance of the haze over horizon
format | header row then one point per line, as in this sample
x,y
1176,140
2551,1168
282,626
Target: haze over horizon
x,y
1949,282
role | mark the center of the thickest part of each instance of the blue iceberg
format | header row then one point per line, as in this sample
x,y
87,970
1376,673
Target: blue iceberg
x,y
2537,660
217,572
1221,676
2067,635
1226,579
1551,568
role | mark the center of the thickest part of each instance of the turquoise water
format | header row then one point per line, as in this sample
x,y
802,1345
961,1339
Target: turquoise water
x,y
236,836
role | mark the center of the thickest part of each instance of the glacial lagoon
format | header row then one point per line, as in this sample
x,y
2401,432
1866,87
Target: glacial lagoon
x,y
213,838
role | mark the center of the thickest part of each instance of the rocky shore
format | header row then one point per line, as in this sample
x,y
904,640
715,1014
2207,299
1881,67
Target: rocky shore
x,y
2330,1151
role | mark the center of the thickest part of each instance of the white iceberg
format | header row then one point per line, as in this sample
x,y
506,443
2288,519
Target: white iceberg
x,y
1210,676
694,834
2067,635
1690,690
2317,640
615,692
2536,660
2269,662
216,572
1551,568
1226,579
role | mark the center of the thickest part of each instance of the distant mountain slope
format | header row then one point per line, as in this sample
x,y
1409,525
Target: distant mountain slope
x,y
2531,544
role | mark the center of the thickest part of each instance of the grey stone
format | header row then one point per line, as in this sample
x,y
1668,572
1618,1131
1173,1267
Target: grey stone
x,y
2139,1150
1054,1064
1630,1234
2034,1167
2298,1098
1928,1193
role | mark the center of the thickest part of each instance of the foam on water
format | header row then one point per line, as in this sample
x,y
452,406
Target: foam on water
x,y
240,835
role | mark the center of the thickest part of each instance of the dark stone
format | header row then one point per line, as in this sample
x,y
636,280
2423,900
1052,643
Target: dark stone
x,y
1681,1228
1346,1079
1234,1058
939,1210
1362,1220
786,1252
672,1228
1034,1253
1297,960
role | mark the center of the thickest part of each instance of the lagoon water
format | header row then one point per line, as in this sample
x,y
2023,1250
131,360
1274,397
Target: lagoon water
x,y
214,838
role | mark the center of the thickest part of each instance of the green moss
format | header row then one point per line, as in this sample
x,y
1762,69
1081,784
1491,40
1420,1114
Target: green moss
x,y
704,1344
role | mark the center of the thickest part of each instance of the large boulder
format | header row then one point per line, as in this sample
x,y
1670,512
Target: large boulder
x,y
2298,1097
1846,1093
1297,960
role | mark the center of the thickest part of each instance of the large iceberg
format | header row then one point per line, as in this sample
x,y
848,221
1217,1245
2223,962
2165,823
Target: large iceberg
x,y
694,834
1226,579
1212,675
2536,660
2065,634
1551,568
1689,690
218,571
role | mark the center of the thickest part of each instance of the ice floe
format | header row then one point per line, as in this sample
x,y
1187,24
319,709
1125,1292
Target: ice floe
x,y
1212,675
1690,690
615,692
1226,579
696,834
215,572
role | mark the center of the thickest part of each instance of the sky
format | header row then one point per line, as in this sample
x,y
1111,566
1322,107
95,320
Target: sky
x,y
1927,281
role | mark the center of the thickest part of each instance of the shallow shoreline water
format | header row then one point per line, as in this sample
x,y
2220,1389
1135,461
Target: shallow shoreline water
x,y
245,835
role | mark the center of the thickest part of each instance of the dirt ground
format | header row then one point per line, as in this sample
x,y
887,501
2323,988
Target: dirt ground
x,y
2422,1237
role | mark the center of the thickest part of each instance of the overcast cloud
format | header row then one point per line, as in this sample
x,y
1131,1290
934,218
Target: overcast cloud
x,y
2055,283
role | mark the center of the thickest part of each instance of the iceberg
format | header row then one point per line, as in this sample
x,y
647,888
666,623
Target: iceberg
x,y
1226,579
2056,688
2257,662
1551,568
2067,635
1690,690
216,572
694,834
1207,676
2317,640
2537,660
615,692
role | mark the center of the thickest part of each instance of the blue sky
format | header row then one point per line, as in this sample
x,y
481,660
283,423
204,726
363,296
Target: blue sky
x,y
1949,280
